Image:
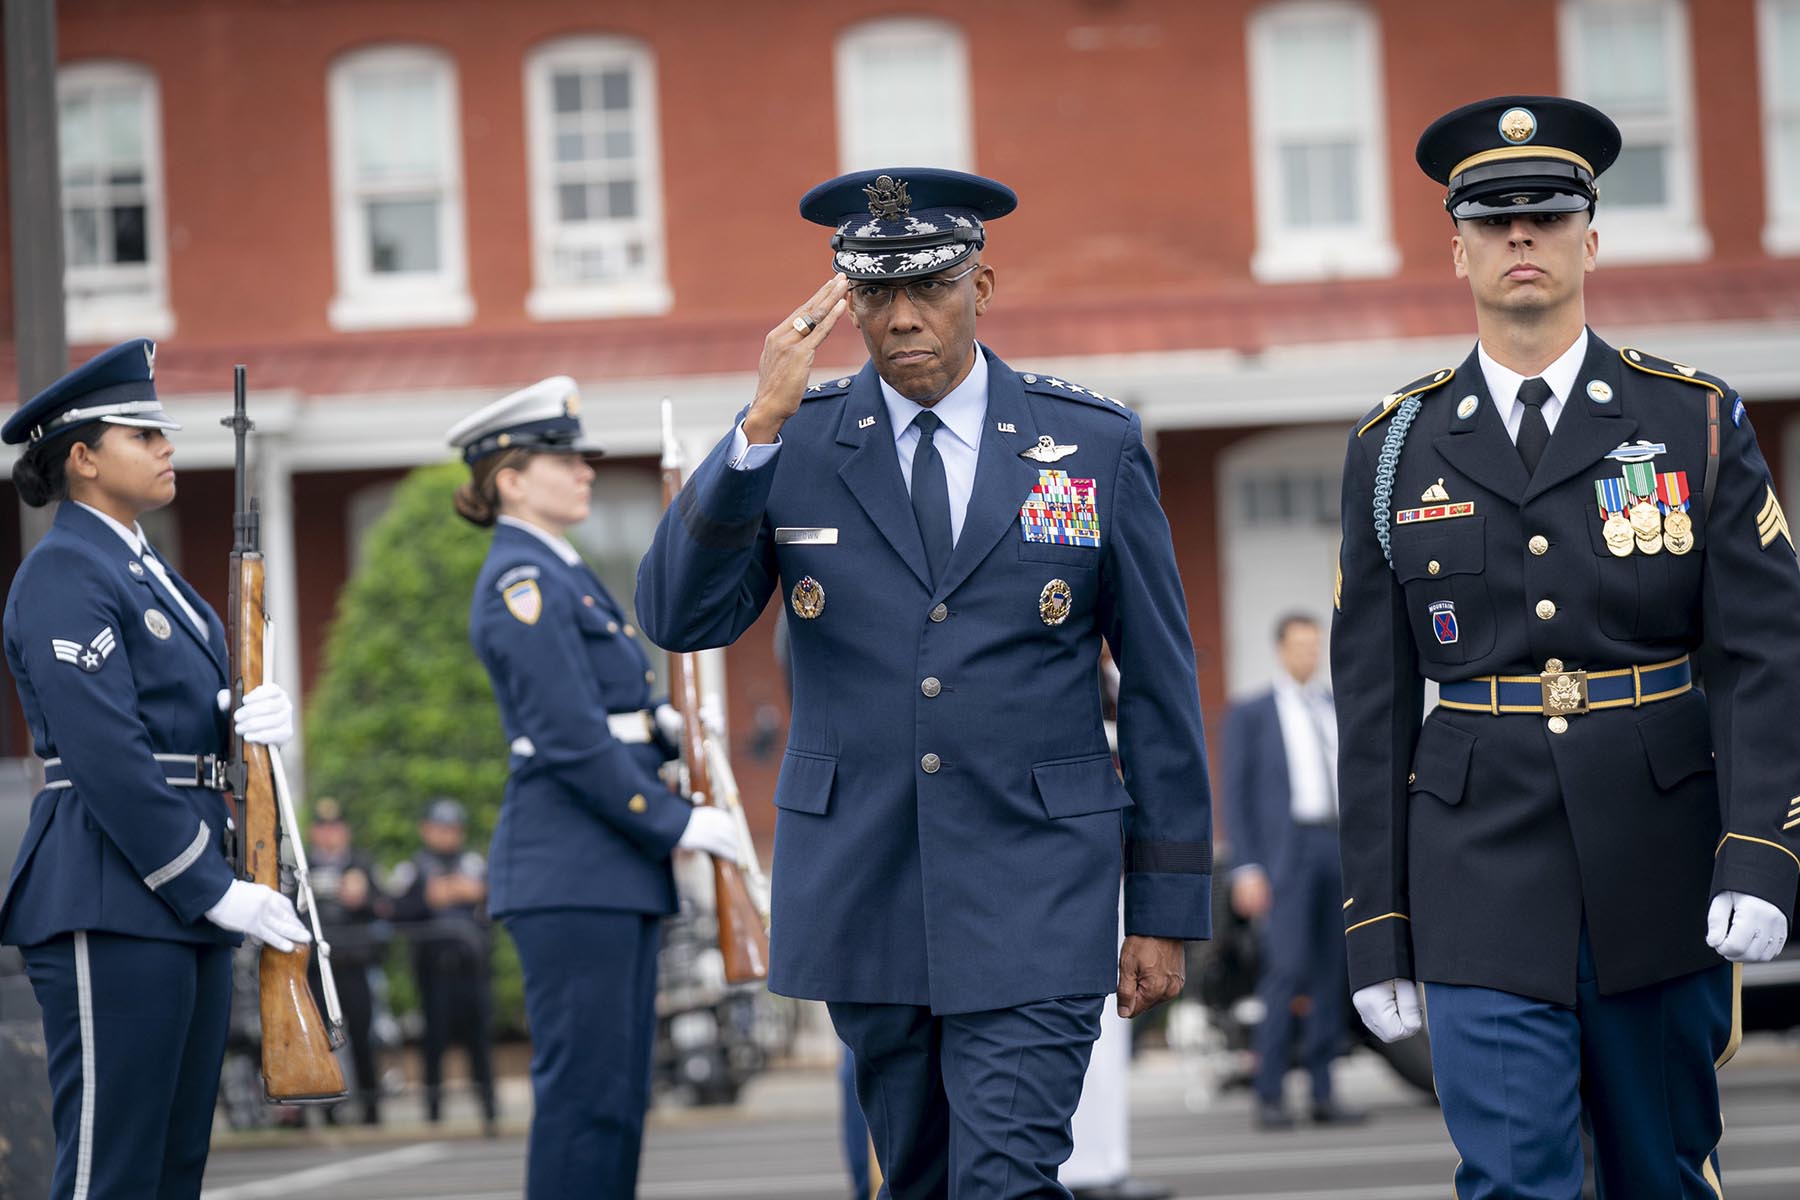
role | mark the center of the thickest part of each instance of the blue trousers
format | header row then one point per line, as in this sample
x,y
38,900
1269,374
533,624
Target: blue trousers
x,y
590,998
971,1106
1518,1078
1303,955
852,1128
135,1034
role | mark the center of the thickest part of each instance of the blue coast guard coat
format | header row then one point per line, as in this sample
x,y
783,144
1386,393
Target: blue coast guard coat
x,y
586,822
951,828
1474,847
121,850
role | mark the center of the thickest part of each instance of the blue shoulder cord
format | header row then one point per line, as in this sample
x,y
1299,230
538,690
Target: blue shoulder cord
x,y
1385,468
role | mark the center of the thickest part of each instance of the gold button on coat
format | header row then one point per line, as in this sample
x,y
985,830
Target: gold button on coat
x,y
1546,609
637,803
1559,724
930,764
931,685
612,627
1433,567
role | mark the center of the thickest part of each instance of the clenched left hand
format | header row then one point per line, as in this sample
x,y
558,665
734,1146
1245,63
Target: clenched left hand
x,y
1151,970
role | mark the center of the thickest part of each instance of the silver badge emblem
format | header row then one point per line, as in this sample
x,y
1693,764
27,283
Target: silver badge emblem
x,y
1047,450
157,624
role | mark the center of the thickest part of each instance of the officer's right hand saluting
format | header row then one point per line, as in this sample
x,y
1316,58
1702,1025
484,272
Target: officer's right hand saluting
x,y
787,360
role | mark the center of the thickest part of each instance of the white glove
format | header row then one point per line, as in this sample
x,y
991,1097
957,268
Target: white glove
x,y
266,716
713,831
712,718
261,912
1390,1010
1758,931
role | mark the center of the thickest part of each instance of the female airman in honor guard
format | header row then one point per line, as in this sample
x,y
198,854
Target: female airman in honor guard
x,y
579,870
122,897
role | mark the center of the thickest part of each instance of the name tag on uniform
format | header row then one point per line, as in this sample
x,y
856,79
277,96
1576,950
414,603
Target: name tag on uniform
x,y
806,535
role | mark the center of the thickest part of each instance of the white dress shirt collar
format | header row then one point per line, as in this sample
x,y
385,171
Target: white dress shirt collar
x,y
133,538
961,411
559,544
1503,383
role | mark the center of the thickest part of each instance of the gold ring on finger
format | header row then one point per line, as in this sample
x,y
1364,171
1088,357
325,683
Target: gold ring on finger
x,y
804,324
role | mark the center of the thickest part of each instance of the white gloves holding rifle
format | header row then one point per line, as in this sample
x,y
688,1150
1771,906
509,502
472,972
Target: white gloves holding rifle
x,y
712,831
261,913
266,716
712,719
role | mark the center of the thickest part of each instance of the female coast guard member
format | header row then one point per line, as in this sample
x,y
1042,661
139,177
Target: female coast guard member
x,y
122,897
579,870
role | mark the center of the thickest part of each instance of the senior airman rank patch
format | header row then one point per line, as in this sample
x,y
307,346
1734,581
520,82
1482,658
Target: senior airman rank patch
x,y
1061,511
89,658
524,601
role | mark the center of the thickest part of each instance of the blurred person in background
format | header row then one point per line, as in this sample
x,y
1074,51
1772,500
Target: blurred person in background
x,y
581,855
354,912
1282,813
441,892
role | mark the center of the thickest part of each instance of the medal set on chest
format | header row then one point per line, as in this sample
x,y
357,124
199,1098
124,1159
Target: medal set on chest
x,y
1643,510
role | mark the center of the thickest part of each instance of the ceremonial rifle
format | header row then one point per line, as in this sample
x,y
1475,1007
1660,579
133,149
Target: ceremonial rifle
x,y
740,896
298,1066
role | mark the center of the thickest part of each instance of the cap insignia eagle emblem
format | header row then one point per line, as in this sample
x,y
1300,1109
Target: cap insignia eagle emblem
x,y
888,199
1517,125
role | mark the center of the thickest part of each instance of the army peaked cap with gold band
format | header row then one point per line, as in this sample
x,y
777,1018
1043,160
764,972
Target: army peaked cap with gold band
x,y
116,386
905,222
544,417
1516,154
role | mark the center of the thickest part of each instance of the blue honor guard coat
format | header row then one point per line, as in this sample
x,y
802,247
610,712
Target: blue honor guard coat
x,y
110,674
587,823
952,830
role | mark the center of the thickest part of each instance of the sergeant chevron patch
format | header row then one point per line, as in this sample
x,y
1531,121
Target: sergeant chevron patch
x,y
89,658
1771,523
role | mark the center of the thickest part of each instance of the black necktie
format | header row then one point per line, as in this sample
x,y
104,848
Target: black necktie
x,y
931,496
1534,431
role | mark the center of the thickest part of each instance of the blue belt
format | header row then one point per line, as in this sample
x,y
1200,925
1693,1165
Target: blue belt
x,y
1560,692
179,770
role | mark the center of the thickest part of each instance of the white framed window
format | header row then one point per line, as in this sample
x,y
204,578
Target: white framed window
x,y
596,180
1319,148
1632,60
115,257
903,95
396,176
1778,38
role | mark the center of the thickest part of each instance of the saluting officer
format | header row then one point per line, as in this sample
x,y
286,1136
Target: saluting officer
x,y
579,866
954,539
1565,854
122,897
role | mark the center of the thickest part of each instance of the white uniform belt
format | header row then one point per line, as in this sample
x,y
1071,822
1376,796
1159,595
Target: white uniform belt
x,y
633,728
179,770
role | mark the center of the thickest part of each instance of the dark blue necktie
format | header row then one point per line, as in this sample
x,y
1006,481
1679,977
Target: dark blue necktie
x,y
931,496
1534,430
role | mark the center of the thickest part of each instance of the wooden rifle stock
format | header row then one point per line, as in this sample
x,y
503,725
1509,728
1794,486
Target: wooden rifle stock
x,y
743,929
298,1066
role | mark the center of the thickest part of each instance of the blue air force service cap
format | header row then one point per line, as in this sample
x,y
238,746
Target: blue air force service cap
x,y
544,417
1516,154
905,222
116,386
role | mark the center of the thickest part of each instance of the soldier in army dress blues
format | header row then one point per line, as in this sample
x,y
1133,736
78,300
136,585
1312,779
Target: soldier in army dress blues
x,y
579,867
122,897
954,540
1559,863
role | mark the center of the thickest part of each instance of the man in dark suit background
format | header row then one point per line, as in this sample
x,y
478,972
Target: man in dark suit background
x,y
1281,797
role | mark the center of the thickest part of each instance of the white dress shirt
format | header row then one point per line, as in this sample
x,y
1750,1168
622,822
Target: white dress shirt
x,y
1309,734
958,439
1503,384
139,545
560,545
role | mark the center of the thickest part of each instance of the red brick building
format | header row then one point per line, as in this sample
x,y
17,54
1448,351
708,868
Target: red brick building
x,y
394,210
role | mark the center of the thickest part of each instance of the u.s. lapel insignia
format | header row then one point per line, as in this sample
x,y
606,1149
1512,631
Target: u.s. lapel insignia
x,y
89,657
1435,494
524,600
865,422
808,598
1055,601
1006,427
1047,450
1771,524
157,624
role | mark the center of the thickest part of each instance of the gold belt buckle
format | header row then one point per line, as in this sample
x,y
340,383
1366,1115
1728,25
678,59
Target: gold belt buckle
x,y
1564,692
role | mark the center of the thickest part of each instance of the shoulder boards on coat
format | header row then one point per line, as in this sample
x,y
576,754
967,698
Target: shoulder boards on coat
x,y
823,388
1392,400
1051,385
1650,364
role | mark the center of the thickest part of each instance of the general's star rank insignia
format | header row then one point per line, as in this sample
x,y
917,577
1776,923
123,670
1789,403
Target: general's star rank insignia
x,y
90,657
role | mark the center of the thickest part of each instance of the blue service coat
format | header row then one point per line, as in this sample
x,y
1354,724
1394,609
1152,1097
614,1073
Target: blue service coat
x,y
121,850
586,822
951,829
1476,846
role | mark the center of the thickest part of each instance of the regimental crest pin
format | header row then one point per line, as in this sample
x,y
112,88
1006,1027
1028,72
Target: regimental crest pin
x,y
90,657
1443,622
1047,450
157,624
524,601
808,597
1055,601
